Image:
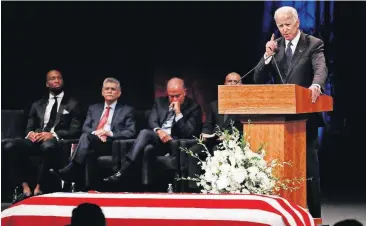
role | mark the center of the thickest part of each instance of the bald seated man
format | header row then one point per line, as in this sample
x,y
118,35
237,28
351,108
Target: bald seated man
x,y
172,117
54,117
213,120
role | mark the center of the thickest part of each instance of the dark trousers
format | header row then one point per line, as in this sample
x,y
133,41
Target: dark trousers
x,y
145,150
146,137
312,170
19,151
88,142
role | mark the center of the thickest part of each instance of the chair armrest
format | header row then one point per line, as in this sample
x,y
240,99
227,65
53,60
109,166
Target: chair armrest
x,y
123,145
66,149
185,143
120,148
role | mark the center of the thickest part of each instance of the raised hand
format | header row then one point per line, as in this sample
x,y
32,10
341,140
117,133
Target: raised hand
x,y
271,46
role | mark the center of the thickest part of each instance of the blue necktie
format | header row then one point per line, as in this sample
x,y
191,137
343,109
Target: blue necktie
x,y
288,55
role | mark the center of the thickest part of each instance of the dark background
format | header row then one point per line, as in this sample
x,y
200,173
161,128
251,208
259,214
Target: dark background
x,y
141,42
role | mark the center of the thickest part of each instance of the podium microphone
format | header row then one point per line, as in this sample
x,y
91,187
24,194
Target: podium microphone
x,y
278,70
242,77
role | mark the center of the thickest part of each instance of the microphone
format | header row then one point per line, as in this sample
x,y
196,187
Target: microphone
x,y
278,70
266,58
242,77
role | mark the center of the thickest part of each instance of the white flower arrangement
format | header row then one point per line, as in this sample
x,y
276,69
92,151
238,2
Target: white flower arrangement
x,y
235,168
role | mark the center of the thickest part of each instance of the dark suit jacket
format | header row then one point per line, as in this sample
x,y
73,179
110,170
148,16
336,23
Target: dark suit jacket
x,y
67,125
187,127
123,123
215,119
308,67
308,64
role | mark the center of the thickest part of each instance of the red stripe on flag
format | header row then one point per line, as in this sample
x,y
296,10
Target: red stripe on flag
x,y
304,213
127,202
161,203
62,221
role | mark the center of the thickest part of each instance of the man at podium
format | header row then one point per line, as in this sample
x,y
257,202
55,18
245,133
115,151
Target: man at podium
x,y
298,58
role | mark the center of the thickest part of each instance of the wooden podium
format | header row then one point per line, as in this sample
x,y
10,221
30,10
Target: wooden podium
x,y
271,110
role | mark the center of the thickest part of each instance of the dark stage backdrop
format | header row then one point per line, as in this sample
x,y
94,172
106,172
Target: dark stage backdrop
x,y
144,43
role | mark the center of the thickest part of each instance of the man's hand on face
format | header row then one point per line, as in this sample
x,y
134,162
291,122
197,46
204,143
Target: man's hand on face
x,y
175,106
44,136
164,137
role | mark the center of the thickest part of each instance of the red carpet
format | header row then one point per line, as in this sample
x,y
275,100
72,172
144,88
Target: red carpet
x,y
161,209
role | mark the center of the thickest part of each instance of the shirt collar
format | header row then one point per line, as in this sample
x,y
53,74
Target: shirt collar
x,y
294,41
60,95
113,105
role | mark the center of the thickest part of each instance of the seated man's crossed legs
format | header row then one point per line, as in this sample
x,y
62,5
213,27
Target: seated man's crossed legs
x,y
76,167
136,154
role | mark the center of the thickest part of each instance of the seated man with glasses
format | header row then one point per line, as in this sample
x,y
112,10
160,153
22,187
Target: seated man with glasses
x,y
173,117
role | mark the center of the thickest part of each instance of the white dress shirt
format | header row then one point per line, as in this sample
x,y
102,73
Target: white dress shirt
x,y
168,124
51,101
293,47
47,114
107,126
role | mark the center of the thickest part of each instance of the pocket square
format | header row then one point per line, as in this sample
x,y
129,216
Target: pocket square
x,y
65,112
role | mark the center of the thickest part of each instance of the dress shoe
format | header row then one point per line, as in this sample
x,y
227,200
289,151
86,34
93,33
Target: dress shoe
x,y
22,196
38,193
114,178
67,173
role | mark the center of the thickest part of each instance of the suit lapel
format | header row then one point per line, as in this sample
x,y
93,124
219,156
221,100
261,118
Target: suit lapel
x,y
62,107
300,49
42,107
164,111
281,53
279,57
98,114
115,113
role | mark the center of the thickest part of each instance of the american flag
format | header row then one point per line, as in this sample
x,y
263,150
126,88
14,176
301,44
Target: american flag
x,y
163,209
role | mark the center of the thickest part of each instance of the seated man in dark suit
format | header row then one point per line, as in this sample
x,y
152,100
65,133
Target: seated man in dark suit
x,y
209,130
50,119
172,117
105,122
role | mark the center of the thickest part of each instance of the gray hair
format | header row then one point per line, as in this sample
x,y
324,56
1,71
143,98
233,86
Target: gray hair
x,y
288,10
112,80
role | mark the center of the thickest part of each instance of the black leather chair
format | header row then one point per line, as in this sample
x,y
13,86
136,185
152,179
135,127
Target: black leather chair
x,y
103,166
12,127
165,169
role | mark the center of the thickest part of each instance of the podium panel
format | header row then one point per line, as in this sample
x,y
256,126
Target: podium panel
x,y
269,107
